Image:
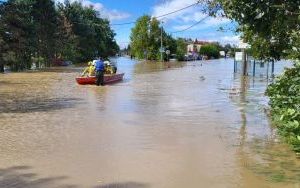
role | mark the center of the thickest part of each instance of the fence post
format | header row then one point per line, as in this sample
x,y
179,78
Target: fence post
x,y
244,62
268,71
234,66
254,64
272,67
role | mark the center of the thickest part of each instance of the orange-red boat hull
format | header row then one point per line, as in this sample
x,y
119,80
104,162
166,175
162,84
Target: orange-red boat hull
x,y
107,79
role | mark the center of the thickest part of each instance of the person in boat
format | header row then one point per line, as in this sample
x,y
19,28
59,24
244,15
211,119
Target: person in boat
x,y
99,67
90,70
110,68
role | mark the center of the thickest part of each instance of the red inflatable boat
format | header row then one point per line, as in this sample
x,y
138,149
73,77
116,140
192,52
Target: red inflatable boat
x,y
108,78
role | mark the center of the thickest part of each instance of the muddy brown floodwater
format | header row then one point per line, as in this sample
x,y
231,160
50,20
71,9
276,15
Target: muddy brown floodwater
x,y
172,125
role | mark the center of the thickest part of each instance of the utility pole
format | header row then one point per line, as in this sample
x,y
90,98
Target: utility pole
x,y
245,66
161,42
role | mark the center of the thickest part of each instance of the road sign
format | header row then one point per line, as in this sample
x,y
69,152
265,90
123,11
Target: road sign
x,y
239,56
168,52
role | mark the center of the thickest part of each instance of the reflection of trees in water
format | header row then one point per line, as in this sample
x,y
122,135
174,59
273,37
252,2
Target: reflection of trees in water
x,y
244,86
268,157
22,177
275,161
124,185
26,105
147,67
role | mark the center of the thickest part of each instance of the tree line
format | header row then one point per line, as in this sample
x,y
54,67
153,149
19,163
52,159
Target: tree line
x,y
147,35
40,31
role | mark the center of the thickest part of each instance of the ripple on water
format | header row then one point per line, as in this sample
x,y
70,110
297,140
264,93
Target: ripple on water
x,y
168,125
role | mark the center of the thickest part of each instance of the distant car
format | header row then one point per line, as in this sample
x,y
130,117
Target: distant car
x,y
173,57
60,62
188,58
66,63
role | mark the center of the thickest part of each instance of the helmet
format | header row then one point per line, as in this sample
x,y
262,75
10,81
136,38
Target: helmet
x,y
107,63
94,62
90,63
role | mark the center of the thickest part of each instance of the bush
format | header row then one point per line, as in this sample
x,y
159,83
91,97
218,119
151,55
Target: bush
x,y
284,96
210,50
181,49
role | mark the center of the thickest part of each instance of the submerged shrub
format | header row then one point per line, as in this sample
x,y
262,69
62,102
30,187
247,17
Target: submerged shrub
x,y
284,96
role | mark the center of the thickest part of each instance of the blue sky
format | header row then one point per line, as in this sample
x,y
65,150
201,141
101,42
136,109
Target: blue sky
x,y
122,11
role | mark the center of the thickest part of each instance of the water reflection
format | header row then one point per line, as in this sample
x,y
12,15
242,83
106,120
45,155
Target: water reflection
x,y
19,105
124,185
148,67
261,153
22,176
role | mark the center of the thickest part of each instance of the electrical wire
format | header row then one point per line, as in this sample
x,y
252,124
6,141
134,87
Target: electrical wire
x,y
127,23
161,16
179,31
177,10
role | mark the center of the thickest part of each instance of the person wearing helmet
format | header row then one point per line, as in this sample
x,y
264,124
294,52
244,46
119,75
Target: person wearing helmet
x,y
90,70
110,68
107,67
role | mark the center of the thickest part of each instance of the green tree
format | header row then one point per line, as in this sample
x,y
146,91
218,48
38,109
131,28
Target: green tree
x,y
210,50
2,43
264,24
154,39
45,20
16,34
170,43
146,39
180,49
140,37
37,30
90,36
67,41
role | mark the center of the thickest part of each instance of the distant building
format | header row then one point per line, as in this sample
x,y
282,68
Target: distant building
x,y
222,53
195,46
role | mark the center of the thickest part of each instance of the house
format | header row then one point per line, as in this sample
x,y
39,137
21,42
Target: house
x,y
195,46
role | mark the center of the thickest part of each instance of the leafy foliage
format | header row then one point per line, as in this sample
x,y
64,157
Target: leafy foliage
x,y
210,50
140,37
181,49
17,31
146,39
38,30
266,25
285,102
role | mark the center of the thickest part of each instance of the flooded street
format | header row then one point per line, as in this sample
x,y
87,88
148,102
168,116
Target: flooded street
x,y
170,125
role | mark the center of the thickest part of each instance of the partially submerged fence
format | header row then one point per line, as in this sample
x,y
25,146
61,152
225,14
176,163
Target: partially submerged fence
x,y
255,68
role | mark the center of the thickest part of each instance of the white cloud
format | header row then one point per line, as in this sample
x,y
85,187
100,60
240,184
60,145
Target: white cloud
x,y
170,6
187,16
231,39
104,12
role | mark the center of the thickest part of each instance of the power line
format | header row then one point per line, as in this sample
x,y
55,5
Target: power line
x,y
178,10
191,25
127,23
163,15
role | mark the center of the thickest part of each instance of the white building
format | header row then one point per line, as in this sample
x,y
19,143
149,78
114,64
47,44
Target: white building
x,y
195,46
